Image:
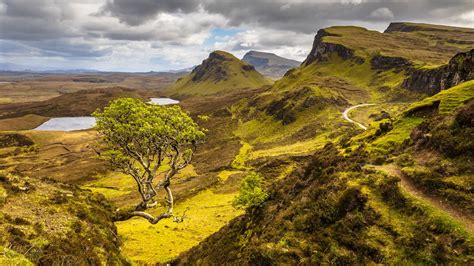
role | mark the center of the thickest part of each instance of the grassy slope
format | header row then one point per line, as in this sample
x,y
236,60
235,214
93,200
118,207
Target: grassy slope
x,y
402,221
237,78
332,212
423,47
45,221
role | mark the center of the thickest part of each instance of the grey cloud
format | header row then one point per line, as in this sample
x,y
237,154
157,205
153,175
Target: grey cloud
x,y
138,12
299,16
35,20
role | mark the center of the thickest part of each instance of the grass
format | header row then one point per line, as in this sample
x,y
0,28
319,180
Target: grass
x,y
149,244
224,175
22,123
299,147
450,99
401,131
242,157
10,257
114,185
419,47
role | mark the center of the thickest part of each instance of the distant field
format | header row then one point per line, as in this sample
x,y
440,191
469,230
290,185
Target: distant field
x,y
23,88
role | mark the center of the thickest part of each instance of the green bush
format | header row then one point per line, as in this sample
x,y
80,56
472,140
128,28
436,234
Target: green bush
x,y
251,193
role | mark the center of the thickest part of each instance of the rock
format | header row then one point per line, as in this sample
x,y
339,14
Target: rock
x,y
321,50
386,62
459,69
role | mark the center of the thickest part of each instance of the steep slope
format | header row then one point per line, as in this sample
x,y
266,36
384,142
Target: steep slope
x,y
270,65
221,72
352,65
332,212
351,203
43,222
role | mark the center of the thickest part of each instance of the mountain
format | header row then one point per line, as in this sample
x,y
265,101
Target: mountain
x,y
397,191
270,65
221,72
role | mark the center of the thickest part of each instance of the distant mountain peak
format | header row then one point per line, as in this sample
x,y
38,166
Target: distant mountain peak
x,y
269,64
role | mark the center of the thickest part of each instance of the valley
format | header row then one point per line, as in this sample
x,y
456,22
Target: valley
x,y
365,149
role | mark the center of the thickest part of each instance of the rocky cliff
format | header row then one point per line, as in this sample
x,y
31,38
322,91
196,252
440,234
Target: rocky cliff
x,y
431,81
321,50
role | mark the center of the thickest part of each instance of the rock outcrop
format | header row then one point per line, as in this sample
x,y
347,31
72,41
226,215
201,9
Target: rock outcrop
x,y
212,67
431,81
321,50
386,62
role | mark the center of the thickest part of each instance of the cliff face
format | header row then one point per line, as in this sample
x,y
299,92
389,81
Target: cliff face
x,y
212,68
386,62
459,69
321,50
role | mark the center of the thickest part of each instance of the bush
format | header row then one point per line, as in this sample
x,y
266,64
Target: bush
x,y
251,193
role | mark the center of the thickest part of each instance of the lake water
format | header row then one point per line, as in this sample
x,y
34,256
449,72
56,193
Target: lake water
x,y
86,122
163,101
67,123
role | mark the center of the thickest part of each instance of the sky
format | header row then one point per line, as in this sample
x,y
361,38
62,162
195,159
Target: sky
x,y
159,35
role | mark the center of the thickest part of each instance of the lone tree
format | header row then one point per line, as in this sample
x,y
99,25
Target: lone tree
x,y
141,140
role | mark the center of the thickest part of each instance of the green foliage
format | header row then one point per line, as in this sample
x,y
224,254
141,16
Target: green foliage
x,y
251,192
135,132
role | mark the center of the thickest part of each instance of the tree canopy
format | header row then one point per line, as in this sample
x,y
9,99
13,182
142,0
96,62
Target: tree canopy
x,y
140,140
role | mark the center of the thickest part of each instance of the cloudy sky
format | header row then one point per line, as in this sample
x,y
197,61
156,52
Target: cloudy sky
x,y
144,35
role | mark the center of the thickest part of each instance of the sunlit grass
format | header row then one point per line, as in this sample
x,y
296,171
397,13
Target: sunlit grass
x,y
205,214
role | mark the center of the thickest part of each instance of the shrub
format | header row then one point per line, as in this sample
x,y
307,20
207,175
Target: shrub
x,y
251,193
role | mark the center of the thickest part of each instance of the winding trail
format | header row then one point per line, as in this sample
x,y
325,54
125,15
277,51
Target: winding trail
x,y
345,114
435,201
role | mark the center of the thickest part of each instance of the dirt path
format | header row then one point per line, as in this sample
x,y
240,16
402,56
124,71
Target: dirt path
x,y
435,201
345,114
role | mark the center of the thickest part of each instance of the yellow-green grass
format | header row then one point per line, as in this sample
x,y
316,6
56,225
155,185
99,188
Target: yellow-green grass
x,y
439,216
115,184
112,185
288,170
243,156
224,175
401,131
362,114
299,147
237,78
266,129
206,213
465,180
450,99
357,83
419,47
12,258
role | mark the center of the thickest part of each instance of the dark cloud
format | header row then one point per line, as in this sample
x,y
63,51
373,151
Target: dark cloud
x,y
299,16
137,12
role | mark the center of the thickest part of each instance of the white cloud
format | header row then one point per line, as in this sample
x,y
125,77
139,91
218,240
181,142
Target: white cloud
x,y
382,13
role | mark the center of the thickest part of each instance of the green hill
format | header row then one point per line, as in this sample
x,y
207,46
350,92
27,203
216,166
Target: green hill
x,y
221,72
